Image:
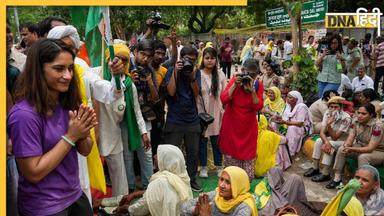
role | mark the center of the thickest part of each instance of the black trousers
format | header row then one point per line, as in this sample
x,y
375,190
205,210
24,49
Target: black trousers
x,y
379,74
81,207
175,134
227,68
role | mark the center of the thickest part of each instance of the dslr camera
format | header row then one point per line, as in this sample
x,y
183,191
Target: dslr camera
x,y
245,79
143,72
187,67
157,24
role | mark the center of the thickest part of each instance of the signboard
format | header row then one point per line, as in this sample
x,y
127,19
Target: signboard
x,y
313,11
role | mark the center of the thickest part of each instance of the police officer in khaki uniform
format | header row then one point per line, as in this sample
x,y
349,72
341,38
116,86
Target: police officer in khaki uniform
x,y
365,142
333,133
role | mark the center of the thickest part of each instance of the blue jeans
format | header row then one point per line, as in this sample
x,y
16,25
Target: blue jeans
x,y
326,86
203,156
12,178
145,160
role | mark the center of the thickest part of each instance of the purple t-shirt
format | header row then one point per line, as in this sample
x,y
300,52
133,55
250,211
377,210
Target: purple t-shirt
x,y
33,135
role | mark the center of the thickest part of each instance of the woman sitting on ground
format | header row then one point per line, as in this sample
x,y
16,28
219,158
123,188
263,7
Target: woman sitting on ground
x,y
231,197
167,189
370,194
298,120
364,143
271,149
274,104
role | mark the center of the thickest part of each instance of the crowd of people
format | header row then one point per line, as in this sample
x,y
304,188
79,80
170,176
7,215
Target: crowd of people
x,y
154,109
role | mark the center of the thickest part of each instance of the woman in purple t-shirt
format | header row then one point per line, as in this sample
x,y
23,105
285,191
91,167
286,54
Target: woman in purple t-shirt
x,y
47,126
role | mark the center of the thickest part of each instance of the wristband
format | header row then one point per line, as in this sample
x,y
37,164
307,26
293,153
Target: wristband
x,y
68,141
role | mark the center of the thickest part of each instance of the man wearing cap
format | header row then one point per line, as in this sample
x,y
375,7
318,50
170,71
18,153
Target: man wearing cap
x,y
333,133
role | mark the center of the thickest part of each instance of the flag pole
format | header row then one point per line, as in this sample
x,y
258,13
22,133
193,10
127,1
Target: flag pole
x,y
102,48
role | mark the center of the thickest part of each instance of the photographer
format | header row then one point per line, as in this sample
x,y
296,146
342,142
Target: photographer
x,y
144,78
332,64
183,86
242,98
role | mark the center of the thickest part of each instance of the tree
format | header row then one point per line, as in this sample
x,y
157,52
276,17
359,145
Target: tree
x,y
203,19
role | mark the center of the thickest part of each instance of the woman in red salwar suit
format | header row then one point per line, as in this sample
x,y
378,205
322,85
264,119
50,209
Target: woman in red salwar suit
x,y
238,133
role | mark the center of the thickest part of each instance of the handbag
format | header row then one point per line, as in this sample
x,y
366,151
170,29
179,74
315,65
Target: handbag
x,y
286,211
205,118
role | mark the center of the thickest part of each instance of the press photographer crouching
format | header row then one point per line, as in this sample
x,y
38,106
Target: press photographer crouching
x,y
183,85
242,98
145,81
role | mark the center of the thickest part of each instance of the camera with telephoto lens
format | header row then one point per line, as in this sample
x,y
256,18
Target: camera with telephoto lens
x,y
187,67
245,79
157,24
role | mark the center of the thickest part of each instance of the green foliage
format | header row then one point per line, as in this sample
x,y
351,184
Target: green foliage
x,y
295,8
305,80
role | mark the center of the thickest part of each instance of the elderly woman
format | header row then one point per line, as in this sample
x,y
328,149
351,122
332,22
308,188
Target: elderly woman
x,y
298,120
274,104
231,197
370,194
365,142
246,52
168,188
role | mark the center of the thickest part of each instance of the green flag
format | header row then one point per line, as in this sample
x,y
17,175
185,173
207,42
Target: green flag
x,y
93,37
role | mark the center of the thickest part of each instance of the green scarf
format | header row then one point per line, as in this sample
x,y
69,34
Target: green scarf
x,y
134,138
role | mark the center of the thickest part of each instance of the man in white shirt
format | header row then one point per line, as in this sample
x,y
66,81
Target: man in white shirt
x,y
345,84
179,47
362,81
259,50
288,47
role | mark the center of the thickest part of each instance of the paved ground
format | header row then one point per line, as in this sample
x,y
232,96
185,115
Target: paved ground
x,y
315,191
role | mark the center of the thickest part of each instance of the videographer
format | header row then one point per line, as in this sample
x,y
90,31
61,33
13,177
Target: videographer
x,y
144,78
332,63
183,86
242,98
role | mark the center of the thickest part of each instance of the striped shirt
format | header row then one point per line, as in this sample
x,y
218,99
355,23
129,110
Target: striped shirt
x,y
380,55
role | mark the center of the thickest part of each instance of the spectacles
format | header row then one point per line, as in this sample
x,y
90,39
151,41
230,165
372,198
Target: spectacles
x,y
334,107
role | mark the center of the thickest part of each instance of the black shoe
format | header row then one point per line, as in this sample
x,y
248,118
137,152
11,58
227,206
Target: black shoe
x,y
196,187
333,184
311,172
321,178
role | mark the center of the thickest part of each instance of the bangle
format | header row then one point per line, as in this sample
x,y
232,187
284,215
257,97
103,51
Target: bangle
x,y
68,141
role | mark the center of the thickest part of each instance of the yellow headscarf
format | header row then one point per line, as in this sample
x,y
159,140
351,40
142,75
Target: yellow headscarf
x,y
240,192
278,104
270,46
267,145
208,44
120,50
248,45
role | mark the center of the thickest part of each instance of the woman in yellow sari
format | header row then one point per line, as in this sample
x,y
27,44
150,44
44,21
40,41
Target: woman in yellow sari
x,y
267,146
